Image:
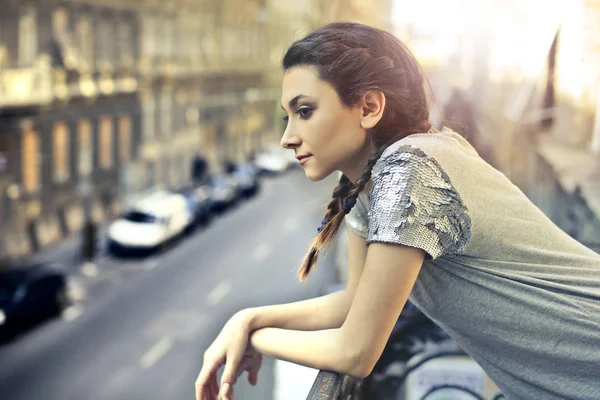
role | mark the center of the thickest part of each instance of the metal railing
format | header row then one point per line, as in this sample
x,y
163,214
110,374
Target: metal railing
x,y
334,386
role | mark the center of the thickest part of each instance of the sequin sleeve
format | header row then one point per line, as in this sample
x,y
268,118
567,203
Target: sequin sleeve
x,y
356,219
414,203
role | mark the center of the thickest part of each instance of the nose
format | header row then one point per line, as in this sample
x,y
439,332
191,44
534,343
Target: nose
x,y
290,140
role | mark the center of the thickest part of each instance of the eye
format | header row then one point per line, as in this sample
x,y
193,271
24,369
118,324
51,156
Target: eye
x,y
286,118
305,112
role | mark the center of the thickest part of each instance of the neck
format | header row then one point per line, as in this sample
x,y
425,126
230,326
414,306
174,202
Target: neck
x,y
357,164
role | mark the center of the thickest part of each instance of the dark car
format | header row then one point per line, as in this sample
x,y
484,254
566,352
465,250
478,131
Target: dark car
x,y
199,204
246,176
30,294
223,192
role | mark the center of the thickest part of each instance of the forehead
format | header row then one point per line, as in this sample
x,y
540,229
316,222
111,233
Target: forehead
x,y
300,80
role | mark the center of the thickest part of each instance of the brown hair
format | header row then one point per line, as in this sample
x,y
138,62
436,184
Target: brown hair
x,y
355,59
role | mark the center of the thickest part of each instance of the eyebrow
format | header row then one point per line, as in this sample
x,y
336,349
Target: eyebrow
x,y
292,103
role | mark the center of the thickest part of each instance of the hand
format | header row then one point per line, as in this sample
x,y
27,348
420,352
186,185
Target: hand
x,y
228,349
251,362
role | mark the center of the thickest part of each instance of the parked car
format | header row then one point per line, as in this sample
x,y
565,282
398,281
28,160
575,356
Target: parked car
x,y
246,176
271,162
30,294
199,205
223,192
149,224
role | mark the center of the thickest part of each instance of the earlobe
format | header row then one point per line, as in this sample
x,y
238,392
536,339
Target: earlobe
x,y
372,109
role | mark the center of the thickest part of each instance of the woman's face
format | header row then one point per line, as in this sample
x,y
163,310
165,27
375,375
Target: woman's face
x,y
320,127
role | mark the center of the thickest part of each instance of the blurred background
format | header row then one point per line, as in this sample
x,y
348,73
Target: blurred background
x,y
143,199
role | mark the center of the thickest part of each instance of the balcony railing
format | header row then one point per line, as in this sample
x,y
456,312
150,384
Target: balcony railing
x,y
21,87
334,386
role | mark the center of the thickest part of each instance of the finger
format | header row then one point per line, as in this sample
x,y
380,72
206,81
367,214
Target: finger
x,y
202,382
231,365
200,392
253,372
226,392
214,385
253,377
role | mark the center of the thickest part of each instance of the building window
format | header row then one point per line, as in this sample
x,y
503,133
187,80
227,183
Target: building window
x,y
60,21
105,42
106,142
61,152
148,111
84,129
125,138
169,32
28,40
125,44
30,157
150,38
85,42
165,115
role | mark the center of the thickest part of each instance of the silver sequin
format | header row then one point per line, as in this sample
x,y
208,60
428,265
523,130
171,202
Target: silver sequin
x,y
414,203
356,220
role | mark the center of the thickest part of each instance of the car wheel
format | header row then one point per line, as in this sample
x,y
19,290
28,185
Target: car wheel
x,y
62,301
190,228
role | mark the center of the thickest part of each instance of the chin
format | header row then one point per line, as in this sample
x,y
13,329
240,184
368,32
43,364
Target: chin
x,y
316,176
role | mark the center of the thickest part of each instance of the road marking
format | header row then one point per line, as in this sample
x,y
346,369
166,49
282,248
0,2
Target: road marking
x,y
291,224
157,352
218,293
181,325
72,313
262,251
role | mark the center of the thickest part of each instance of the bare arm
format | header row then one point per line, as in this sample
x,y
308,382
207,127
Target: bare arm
x,y
385,284
325,312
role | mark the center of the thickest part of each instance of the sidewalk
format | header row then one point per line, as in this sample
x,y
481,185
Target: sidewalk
x,y
68,251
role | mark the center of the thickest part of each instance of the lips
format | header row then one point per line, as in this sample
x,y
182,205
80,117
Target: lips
x,y
300,157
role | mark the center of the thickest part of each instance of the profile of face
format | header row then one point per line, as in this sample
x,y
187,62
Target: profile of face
x,y
328,134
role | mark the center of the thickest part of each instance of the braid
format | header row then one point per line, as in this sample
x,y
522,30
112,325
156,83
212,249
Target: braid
x,y
343,199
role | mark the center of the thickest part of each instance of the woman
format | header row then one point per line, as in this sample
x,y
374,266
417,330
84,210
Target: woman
x,y
428,219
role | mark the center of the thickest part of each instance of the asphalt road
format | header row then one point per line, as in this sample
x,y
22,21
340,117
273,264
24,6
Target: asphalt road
x,y
141,327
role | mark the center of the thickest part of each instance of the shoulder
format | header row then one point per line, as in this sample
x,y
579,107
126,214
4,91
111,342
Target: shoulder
x,y
413,200
445,154
443,146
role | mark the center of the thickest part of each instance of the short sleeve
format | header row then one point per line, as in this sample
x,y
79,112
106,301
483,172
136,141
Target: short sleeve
x,y
414,203
356,219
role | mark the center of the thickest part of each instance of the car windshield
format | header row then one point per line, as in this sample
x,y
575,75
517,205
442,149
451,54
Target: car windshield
x,y
8,284
246,169
140,217
218,183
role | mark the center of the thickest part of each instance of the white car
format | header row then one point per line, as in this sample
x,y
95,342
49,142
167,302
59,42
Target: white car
x,y
273,161
150,223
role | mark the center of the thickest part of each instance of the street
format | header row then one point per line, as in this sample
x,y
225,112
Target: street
x,y
141,326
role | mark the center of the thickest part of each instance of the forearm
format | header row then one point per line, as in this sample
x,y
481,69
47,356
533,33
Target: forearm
x,y
323,349
325,312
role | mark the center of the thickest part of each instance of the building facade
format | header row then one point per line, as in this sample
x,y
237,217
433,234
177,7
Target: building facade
x,y
69,116
101,100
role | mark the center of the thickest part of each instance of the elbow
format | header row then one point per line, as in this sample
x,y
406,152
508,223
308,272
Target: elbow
x,y
360,369
360,373
357,363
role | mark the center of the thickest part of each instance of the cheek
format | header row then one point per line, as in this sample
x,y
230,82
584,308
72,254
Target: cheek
x,y
330,128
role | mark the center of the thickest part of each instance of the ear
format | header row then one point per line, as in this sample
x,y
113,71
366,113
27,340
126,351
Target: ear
x,y
372,107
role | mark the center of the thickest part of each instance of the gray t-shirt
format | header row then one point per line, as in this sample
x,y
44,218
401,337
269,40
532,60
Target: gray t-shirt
x,y
518,294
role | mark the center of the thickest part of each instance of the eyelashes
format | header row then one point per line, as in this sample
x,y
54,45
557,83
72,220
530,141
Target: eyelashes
x,y
303,112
